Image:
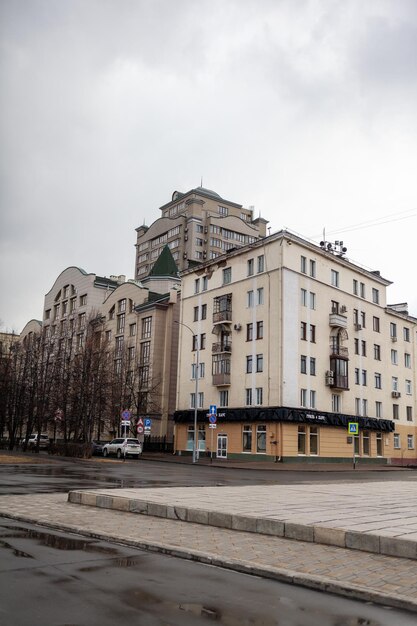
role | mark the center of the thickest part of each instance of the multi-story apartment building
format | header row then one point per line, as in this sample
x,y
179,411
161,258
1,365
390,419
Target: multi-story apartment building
x,y
197,225
131,321
293,342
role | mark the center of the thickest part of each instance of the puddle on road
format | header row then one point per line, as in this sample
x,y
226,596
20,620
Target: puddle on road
x,y
16,552
56,541
122,562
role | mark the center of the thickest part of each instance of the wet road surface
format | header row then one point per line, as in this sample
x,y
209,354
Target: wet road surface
x,y
60,475
53,578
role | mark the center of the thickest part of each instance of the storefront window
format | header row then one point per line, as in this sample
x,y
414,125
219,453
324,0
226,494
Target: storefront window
x,y
261,439
365,443
314,440
247,439
301,440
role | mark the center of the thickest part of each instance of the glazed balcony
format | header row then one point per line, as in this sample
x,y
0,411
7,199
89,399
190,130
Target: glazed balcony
x,y
222,346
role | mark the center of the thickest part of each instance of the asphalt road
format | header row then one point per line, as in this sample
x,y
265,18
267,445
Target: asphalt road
x,y
57,474
50,578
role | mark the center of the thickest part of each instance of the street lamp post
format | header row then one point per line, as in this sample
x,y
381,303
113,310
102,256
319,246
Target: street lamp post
x,y
195,441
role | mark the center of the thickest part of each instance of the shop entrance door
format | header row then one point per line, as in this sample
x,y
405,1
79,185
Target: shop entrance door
x,y
222,446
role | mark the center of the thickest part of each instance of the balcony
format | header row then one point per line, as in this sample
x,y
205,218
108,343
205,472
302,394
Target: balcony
x,y
337,320
225,346
222,316
340,382
337,350
221,379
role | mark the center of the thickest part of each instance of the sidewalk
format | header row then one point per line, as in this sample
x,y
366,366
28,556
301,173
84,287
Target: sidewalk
x,y
261,522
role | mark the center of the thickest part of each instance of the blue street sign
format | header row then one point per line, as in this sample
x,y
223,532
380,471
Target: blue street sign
x,y
212,419
126,414
147,422
213,409
353,428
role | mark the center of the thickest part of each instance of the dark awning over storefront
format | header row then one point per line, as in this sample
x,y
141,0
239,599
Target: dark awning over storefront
x,y
285,414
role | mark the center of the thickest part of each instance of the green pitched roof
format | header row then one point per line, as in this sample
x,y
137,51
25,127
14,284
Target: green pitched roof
x,y
165,265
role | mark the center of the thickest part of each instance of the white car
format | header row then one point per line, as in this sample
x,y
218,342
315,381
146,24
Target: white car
x,y
43,442
123,447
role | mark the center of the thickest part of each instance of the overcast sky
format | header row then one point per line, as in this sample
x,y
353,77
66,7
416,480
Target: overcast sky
x,y
306,109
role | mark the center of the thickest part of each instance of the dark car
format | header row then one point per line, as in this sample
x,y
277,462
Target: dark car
x,y
97,447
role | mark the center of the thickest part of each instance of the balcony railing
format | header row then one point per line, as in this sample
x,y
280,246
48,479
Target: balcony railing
x,y
336,350
222,316
222,347
221,379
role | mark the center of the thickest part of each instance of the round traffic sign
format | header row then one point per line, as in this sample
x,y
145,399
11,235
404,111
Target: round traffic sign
x,y
139,429
212,419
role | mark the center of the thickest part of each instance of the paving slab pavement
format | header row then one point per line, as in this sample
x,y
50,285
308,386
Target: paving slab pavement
x,y
379,517
385,580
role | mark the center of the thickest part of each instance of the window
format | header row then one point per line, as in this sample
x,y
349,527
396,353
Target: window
x,y
364,408
312,268
260,295
393,330
119,346
259,395
132,330
201,370
395,411
303,265
334,275
375,324
145,352
362,290
355,316
406,333
363,347
195,345
83,300
312,300
196,313
357,406
197,285
131,353
377,352
259,330
409,413
248,396
249,332
363,319
355,287
146,327
224,397
247,439
336,403
407,360
394,383
261,438
303,366
121,323
312,333
259,362
204,283
227,276
378,382
250,299
249,364
303,335
108,335
312,366
356,345
410,442
261,263
364,378
394,357
303,397
312,399
223,211
198,241
200,400
365,443
301,440
375,296
303,297
204,311
378,409
81,321
408,387
397,441
251,266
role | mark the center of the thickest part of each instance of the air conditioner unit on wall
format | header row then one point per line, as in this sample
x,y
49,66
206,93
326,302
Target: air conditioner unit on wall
x,y
394,339
358,326
343,309
396,394
237,326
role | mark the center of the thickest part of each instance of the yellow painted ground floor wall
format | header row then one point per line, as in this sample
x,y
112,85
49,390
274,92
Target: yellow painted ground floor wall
x,y
298,442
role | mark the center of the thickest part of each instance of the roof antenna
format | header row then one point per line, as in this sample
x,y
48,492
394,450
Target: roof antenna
x,y
201,183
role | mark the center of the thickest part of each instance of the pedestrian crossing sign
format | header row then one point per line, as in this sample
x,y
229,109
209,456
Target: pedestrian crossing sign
x,y
353,428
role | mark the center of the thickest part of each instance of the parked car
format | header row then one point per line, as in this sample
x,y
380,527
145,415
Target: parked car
x,y
97,447
123,447
43,441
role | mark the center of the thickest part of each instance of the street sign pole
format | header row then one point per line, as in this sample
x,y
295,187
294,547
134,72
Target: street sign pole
x,y
353,429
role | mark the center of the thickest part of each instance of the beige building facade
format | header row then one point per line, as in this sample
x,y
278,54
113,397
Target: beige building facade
x,y
198,225
294,342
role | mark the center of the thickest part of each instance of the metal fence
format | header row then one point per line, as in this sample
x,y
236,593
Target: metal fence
x,y
157,444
